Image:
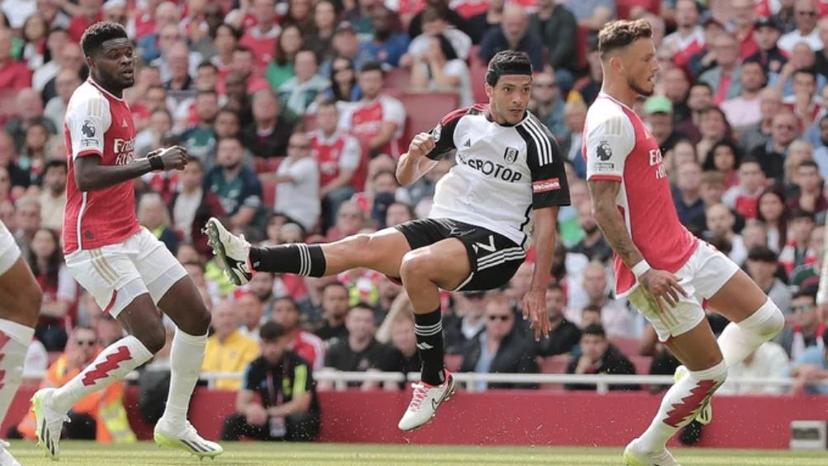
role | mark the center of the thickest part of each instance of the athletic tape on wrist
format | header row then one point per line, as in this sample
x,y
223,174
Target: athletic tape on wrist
x,y
640,269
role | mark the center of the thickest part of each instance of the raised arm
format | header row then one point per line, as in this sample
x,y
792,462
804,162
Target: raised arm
x,y
427,148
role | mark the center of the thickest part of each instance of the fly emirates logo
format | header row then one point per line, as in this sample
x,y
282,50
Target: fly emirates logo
x,y
656,160
124,150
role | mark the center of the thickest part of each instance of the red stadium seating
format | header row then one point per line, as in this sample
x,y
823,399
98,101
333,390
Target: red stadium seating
x,y
554,365
628,346
425,110
641,363
453,362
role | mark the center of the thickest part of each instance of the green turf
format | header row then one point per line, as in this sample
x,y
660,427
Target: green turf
x,y
91,454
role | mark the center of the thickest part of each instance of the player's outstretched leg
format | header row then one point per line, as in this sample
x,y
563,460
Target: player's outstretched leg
x,y
381,251
146,337
185,307
424,271
20,299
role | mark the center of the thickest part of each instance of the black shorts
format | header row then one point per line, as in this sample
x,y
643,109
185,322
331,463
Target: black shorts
x,y
494,258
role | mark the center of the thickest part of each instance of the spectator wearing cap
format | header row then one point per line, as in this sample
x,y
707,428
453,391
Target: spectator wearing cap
x,y
599,356
500,348
658,110
771,155
388,44
762,266
803,328
262,37
688,38
743,110
810,368
513,34
228,350
805,17
725,77
766,33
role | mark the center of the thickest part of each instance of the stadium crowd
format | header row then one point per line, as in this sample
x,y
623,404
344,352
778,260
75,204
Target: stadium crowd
x,y
295,111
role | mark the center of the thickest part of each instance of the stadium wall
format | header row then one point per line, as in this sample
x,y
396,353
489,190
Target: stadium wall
x,y
510,417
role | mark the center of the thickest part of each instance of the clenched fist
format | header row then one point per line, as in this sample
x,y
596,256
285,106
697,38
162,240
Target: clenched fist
x,y
421,145
174,158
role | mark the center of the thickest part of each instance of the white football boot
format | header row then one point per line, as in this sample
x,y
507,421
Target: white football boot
x,y
424,402
185,438
48,422
634,455
231,250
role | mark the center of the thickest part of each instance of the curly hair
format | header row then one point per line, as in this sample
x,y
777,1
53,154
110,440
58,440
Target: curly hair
x,y
619,34
94,37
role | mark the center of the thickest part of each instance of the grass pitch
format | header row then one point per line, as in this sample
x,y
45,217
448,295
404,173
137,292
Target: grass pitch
x,y
261,454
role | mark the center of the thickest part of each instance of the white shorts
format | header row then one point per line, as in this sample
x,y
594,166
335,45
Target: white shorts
x,y
702,276
118,273
9,252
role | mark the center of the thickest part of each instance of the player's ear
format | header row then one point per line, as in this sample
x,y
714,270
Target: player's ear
x,y
489,90
89,63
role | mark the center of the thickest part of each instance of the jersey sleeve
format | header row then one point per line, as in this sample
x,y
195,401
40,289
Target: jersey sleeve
x,y
87,122
546,164
607,146
393,111
443,134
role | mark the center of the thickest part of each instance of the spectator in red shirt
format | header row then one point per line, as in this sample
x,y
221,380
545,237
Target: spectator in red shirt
x,y
378,120
305,344
339,159
89,13
262,38
14,75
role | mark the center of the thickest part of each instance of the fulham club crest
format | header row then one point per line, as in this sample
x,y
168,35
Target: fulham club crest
x,y
510,155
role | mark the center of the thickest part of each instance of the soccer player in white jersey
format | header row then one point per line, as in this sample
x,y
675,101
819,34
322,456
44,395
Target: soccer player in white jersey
x,y
663,270
509,173
128,272
20,298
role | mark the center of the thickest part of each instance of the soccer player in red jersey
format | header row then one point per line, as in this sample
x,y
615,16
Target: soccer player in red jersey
x,y
122,265
663,270
20,298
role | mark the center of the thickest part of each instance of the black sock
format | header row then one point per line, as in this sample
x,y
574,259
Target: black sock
x,y
429,331
301,259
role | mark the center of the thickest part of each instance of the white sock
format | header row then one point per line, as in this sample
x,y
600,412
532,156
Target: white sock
x,y
185,364
14,342
114,362
738,340
680,404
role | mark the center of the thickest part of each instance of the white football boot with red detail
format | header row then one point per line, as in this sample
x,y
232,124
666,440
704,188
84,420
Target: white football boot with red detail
x,y
424,402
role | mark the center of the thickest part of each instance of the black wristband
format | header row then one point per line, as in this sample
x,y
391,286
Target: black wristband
x,y
156,163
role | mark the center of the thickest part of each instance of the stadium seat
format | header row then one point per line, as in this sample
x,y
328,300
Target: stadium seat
x,y
642,364
477,74
453,362
425,110
624,7
554,365
269,194
263,165
628,346
398,78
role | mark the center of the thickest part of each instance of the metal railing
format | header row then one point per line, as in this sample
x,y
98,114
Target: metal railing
x,y
339,380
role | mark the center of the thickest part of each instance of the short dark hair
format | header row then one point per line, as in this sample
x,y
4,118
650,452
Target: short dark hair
x,y
762,254
371,66
289,300
207,64
507,62
327,102
595,330
797,214
806,71
808,163
619,34
271,331
55,163
94,37
361,305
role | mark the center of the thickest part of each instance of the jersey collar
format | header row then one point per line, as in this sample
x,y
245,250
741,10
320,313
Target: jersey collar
x,y
101,88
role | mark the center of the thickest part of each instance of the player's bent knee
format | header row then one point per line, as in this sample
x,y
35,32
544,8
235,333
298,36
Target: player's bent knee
x,y
766,322
153,337
414,266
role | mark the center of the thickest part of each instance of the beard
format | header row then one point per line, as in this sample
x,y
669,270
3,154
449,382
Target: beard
x,y
641,91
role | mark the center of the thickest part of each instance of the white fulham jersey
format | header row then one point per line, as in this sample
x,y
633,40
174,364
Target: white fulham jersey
x,y
502,172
